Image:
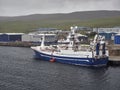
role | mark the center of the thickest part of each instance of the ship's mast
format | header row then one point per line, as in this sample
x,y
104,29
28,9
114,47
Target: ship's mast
x,y
72,37
43,41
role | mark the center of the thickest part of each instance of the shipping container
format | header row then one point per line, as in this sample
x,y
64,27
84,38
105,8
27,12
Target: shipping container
x,y
117,39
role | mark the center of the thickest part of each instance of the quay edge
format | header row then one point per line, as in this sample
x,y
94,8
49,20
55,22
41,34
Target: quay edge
x,y
114,60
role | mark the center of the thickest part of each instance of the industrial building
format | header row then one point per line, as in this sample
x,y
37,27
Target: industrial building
x,y
108,36
36,38
84,28
31,37
10,37
46,30
108,33
107,30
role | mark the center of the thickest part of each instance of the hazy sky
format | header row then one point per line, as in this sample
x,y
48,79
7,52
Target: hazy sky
x,y
24,7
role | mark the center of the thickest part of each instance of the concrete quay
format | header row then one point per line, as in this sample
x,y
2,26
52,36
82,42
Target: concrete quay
x,y
114,60
114,54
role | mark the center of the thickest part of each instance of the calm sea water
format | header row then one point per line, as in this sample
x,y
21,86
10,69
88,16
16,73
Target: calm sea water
x,y
20,71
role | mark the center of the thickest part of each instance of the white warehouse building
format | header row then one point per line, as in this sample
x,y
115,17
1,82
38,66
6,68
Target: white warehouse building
x,y
38,37
107,30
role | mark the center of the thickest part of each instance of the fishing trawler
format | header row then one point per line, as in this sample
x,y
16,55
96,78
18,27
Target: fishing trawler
x,y
94,54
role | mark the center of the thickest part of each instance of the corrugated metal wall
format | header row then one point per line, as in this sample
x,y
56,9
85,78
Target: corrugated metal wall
x,y
26,38
117,39
108,36
4,38
9,38
14,37
51,38
31,38
38,37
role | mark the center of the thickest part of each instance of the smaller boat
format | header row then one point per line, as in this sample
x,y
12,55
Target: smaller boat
x,y
94,54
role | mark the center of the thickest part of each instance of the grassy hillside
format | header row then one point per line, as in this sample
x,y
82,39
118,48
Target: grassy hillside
x,y
27,26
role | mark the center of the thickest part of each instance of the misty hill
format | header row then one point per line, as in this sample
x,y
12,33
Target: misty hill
x,y
61,21
85,15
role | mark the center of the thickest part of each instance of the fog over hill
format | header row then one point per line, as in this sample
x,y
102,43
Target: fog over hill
x,y
84,15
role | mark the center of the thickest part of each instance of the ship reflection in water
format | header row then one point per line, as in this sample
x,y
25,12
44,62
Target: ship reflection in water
x,y
20,71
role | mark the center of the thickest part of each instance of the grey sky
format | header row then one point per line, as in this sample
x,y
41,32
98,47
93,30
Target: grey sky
x,y
24,7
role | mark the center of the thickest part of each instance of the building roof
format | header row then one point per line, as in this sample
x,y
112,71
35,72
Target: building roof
x,y
39,34
12,33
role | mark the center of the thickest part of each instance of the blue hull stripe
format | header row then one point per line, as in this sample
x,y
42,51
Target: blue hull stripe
x,y
63,58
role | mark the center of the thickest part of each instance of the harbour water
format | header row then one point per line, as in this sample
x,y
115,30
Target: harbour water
x,y
20,71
